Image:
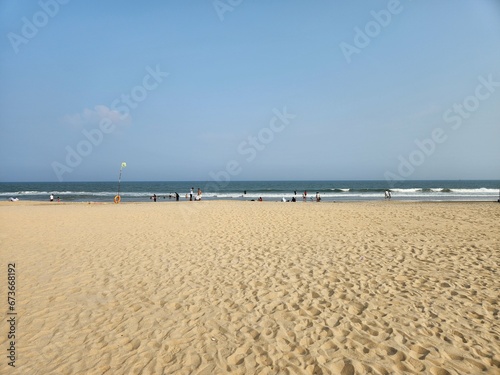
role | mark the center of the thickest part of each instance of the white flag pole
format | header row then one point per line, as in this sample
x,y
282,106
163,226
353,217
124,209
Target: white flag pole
x,y
118,198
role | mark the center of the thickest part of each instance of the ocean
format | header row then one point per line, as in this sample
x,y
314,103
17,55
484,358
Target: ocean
x,y
437,190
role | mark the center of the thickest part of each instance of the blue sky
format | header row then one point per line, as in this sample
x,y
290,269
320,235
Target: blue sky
x,y
250,90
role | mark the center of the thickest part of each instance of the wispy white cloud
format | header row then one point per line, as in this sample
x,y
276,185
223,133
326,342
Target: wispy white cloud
x,y
92,117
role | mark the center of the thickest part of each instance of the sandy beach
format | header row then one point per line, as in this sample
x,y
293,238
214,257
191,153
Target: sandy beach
x,y
252,288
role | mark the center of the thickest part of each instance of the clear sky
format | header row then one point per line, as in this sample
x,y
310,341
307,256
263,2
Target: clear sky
x,y
253,90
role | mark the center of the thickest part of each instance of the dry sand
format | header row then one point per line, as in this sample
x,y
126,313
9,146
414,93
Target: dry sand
x,y
252,287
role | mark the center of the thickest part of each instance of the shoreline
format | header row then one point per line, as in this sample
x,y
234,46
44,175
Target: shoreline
x,y
236,201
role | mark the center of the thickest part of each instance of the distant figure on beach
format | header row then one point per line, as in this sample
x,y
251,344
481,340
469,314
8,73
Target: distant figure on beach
x,y
51,198
295,192
191,193
13,199
387,194
245,192
318,198
283,199
198,196
176,196
294,200
304,196
260,199
154,197
58,199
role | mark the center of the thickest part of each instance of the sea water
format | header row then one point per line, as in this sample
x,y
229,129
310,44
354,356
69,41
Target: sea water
x,y
429,190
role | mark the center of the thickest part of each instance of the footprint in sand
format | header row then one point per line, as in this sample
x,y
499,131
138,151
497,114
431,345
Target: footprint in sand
x,y
418,352
343,367
439,371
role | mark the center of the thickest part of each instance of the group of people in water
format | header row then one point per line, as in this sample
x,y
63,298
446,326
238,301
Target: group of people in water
x,y
304,197
197,197
51,198
191,196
